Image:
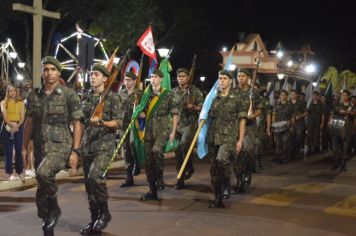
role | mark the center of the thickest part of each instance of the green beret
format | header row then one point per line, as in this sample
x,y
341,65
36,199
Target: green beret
x,y
131,75
158,72
52,61
227,73
183,70
101,68
246,72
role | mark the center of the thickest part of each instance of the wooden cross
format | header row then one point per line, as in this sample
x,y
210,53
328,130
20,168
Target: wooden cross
x,y
38,12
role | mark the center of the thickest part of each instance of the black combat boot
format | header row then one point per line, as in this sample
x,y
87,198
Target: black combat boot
x,y
152,194
180,184
53,215
227,188
217,202
48,233
104,217
129,180
94,211
160,182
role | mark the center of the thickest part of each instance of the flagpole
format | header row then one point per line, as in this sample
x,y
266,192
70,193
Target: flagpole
x,y
190,150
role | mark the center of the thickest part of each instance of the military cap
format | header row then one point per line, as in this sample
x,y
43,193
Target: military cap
x,y
227,73
316,93
183,70
158,72
101,68
346,91
246,72
284,91
131,75
53,61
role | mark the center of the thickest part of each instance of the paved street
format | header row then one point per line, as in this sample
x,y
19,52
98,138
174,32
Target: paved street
x,y
300,198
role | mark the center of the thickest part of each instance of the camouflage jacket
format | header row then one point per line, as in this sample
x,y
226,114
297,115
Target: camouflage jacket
x,y
160,123
51,118
283,111
101,138
225,114
256,102
315,111
128,101
298,108
187,118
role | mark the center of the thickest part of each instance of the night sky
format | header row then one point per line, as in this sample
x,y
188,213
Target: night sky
x,y
328,26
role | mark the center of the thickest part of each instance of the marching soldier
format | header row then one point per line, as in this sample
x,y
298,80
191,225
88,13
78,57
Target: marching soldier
x,y
161,104
283,112
341,145
51,110
250,140
130,95
325,137
225,135
297,136
315,121
98,146
190,101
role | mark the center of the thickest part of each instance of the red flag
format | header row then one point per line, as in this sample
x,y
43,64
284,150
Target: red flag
x,y
146,43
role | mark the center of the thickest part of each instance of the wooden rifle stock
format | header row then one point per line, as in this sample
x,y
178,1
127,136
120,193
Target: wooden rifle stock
x,y
253,81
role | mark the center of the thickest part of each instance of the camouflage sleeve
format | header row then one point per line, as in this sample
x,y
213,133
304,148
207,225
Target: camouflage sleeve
x,y
199,98
74,107
303,108
173,103
29,101
117,111
275,110
242,107
258,100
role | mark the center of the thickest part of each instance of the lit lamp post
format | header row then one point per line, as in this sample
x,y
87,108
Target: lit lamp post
x,y
163,52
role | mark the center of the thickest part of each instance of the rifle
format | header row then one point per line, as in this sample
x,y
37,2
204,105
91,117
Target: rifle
x,y
98,112
250,110
191,77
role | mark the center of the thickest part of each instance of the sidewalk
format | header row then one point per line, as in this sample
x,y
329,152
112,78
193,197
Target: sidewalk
x,y
6,185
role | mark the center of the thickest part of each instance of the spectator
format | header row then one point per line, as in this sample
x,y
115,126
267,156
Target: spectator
x,y
13,112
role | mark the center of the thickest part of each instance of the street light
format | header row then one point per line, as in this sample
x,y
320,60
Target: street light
x,y
279,54
314,84
310,68
163,52
21,64
202,78
13,55
280,76
290,63
224,49
232,67
19,77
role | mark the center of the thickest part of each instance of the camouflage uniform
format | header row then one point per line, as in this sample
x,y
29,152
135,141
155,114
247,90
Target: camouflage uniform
x,y
187,121
128,146
52,138
222,136
325,136
283,112
157,132
314,119
341,146
298,133
98,145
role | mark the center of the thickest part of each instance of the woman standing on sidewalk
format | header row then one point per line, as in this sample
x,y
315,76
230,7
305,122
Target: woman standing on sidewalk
x,y
13,112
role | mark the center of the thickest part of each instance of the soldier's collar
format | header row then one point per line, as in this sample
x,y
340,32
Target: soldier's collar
x,y
57,90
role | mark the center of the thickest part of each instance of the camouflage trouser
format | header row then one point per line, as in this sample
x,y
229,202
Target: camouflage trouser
x,y
129,153
297,138
261,139
313,136
283,144
94,166
340,146
154,158
250,139
220,159
185,136
45,175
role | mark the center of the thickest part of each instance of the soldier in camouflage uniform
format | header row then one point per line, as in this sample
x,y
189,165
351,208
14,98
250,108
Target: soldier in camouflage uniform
x,y
158,129
325,137
263,127
341,145
283,112
130,96
98,146
315,121
50,112
250,141
225,135
297,135
190,101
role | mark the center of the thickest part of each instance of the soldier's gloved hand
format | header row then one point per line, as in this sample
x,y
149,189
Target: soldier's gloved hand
x,y
73,162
